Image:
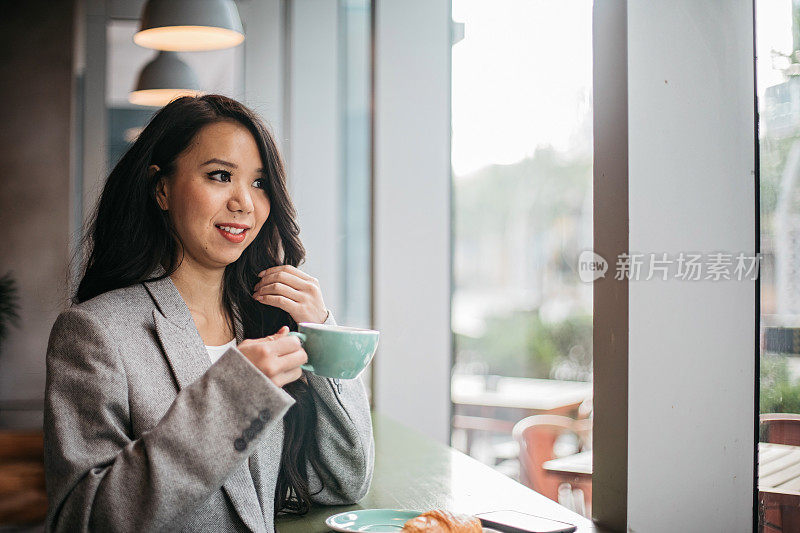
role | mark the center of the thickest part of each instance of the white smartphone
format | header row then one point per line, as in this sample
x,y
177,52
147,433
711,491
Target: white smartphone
x,y
517,522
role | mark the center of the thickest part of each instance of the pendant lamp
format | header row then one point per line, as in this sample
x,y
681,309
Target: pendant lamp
x,y
164,79
189,25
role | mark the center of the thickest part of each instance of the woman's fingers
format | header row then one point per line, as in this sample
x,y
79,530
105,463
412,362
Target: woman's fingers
x,y
292,290
280,333
297,272
283,346
291,270
287,278
278,358
281,302
288,377
280,289
293,360
274,367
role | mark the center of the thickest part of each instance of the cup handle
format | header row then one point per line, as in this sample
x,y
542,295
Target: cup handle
x,y
302,337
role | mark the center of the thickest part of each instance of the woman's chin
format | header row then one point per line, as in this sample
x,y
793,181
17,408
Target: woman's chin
x,y
223,260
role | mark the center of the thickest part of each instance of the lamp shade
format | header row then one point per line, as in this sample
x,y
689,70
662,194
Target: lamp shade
x,y
164,79
189,25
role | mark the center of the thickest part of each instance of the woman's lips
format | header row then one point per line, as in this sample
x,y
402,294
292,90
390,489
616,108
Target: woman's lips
x,y
231,237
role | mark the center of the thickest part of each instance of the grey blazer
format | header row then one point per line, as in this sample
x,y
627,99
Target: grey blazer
x,y
143,433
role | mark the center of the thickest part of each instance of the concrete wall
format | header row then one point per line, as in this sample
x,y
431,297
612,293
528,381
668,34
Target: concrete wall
x,y
36,43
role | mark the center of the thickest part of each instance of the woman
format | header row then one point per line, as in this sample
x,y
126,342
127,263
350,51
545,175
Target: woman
x,y
159,416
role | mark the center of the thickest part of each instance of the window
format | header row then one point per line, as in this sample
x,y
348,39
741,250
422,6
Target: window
x,y
356,48
778,71
522,213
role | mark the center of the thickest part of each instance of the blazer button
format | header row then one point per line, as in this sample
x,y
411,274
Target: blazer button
x,y
264,415
257,425
249,434
240,444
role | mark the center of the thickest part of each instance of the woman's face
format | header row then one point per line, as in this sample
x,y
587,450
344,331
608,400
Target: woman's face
x,y
217,198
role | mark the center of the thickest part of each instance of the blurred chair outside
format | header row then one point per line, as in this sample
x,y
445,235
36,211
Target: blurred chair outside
x,y
543,438
486,408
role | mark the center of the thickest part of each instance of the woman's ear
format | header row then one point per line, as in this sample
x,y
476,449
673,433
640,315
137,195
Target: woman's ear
x,y
161,187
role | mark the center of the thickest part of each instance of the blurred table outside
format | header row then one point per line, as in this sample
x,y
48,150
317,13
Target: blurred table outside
x,y
778,469
779,486
571,468
540,396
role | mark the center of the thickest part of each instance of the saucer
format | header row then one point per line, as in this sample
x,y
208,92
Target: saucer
x,y
371,520
375,521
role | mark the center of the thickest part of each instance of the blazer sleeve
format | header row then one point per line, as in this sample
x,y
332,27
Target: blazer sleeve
x,y
99,478
344,436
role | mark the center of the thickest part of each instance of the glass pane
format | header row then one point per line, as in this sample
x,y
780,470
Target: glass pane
x,y
356,82
522,201
777,70
356,42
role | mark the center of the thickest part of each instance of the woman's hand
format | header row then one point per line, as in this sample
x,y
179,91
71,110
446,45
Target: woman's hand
x,y
278,356
292,290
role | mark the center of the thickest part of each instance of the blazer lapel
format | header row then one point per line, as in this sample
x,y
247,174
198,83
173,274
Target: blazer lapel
x,y
180,340
184,350
188,358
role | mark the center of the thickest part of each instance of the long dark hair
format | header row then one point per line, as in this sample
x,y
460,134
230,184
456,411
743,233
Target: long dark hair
x,y
128,207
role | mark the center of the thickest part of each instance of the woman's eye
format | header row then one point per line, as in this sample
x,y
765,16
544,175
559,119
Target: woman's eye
x,y
221,175
261,183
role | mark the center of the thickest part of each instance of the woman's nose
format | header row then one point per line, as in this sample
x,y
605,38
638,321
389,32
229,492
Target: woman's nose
x,y
241,200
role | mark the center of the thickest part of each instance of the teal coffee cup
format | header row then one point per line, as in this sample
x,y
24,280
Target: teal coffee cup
x,y
338,352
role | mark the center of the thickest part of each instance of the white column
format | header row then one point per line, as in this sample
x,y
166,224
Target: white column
x,y
691,189
412,216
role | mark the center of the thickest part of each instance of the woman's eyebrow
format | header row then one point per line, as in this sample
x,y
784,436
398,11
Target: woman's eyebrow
x,y
219,162
228,164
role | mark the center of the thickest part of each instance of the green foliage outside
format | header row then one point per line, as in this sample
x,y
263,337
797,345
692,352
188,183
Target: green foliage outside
x,y
774,153
547,194
779,392
519,344
547,185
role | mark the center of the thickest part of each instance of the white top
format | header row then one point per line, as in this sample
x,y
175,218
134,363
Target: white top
x,y
215,352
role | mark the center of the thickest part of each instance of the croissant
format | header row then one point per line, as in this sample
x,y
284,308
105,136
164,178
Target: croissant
x,y
441,521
